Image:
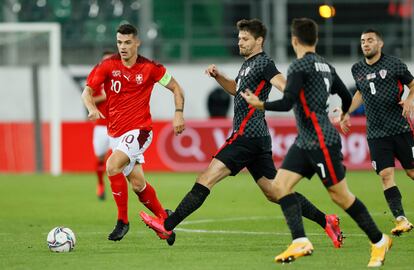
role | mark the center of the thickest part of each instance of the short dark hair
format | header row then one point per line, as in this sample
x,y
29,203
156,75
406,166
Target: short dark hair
x,y
127,29
306,30
372,30
254,27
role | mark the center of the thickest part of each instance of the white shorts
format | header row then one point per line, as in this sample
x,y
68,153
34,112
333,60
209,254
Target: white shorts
x,y
100,140
133,143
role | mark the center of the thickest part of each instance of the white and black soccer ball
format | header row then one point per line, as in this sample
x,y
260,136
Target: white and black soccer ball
x,y
61,239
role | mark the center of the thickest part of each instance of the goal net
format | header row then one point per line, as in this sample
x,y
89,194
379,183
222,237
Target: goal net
x,y
30,103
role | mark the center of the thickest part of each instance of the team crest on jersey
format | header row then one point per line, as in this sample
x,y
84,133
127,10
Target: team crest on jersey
x,y
116,73
139,78
383,73
371,76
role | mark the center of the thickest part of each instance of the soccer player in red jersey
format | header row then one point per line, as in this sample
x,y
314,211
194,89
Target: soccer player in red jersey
x,y
100,133
128,80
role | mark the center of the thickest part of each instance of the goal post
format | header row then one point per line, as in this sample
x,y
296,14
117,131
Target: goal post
x,y
54,41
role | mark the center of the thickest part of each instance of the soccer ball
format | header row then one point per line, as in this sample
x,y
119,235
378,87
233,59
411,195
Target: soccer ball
x,y
61,239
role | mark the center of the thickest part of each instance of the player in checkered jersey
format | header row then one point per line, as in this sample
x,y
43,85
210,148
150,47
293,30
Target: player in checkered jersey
x,y
317,148
379,80
250,144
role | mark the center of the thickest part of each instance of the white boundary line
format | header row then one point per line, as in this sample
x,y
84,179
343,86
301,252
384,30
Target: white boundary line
x,y
255,233
203,221
221,220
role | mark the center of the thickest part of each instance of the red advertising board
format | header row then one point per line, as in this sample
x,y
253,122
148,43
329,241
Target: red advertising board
x,y
191,151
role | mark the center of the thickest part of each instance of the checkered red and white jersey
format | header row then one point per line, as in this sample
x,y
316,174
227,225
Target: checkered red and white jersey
x,y
128,92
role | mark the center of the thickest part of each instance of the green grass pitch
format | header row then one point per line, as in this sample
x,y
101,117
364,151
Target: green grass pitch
x,y
236,228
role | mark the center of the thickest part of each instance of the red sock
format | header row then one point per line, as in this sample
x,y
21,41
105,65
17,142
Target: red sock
x,y
119,188
100,168
148,197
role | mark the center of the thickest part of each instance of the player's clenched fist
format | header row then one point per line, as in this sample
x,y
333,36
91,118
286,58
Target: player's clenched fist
x,y
212,71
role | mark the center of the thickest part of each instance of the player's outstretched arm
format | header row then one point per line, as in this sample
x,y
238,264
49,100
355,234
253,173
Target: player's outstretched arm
x,y
228,85
345,122
178,121
88,101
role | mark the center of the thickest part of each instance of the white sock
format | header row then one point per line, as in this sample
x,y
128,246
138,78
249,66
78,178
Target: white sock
x,y
300,240
381,242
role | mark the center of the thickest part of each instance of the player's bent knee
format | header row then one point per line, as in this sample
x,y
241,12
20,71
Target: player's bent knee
x,y
111,169
338,196
339,200
209,179
280,190
386,174
342,199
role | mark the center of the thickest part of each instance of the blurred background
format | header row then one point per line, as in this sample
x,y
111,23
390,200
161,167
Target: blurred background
x,y
201,30
48,47
189,31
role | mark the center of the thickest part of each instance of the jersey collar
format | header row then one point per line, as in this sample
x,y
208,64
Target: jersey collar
x,y
254,56
373,65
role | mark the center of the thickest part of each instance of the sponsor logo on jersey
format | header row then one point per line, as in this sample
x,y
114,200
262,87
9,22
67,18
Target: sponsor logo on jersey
x,y
371,76
139,78
116,73
383,73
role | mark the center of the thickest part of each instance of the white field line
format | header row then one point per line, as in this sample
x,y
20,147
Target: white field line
x,y
223,220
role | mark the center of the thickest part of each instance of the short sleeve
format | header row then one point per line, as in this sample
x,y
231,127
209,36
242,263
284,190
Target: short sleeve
x,y
353,71
90,77
403,74
158,71
97,76
270,71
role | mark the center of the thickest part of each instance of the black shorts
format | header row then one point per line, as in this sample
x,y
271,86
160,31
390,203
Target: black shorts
x,y
253,153
384,150
327,164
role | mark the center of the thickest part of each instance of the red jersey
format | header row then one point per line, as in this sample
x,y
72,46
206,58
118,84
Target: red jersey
x,y
102,106
128,92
